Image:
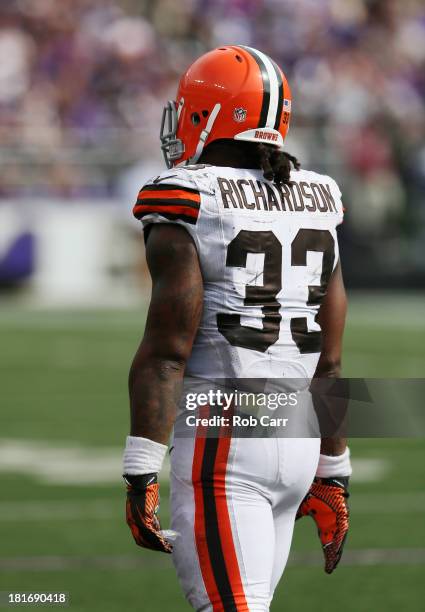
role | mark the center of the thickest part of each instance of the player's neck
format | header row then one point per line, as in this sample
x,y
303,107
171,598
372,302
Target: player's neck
x,y
223,155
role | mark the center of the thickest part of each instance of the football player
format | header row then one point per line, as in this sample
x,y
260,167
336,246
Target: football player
x,y
242,248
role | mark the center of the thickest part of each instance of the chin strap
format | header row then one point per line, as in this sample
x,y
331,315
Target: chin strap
x,y
205,133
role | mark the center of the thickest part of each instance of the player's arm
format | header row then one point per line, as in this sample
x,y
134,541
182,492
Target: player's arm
x,y
157,371
331,319
326,501
173,318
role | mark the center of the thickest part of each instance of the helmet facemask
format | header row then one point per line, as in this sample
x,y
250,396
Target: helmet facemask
x,y
171,146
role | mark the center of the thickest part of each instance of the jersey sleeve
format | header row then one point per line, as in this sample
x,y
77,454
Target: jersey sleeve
x,y
172,197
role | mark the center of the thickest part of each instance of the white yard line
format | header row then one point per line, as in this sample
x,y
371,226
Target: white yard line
x,y
412,502
63,464
365,557
362,557
39,511
66,464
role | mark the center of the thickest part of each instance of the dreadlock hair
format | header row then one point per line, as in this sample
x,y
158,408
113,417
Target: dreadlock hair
x,y
275,164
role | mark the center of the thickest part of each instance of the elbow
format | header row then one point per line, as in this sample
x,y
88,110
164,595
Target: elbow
x,y
156,366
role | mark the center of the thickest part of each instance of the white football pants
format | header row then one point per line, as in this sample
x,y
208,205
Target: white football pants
x,y
233,502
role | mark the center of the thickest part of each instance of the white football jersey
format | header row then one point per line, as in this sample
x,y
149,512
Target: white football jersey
x,y
266,255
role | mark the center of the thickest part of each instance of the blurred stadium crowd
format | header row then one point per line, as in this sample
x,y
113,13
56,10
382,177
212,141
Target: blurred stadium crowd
x,y
82,84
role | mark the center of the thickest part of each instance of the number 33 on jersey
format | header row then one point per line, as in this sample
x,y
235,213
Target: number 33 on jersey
x,y
266,254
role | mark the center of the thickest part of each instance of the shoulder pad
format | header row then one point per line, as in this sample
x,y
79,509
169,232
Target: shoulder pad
x,y
172,194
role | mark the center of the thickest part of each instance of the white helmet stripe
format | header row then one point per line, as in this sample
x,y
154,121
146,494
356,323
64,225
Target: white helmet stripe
x,y
274,85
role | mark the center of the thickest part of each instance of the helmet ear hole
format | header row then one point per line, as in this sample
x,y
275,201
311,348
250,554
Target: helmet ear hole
x,y
196,119
205,113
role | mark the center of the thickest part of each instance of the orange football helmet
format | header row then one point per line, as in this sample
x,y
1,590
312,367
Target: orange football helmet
x,y
231,92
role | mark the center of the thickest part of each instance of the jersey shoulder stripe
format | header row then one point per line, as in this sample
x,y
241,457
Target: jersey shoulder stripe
x,y
170,201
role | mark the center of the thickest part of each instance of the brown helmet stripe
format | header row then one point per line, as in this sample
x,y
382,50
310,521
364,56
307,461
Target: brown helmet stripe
x,y
266,85
281,93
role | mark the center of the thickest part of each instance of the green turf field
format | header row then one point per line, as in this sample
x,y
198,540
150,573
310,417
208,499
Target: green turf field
x,y
62,426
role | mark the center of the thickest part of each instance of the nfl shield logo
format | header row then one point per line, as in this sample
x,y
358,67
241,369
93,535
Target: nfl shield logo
x,y
239,114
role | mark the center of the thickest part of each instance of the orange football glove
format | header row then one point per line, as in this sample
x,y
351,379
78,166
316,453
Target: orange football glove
x,y
142,512
326,503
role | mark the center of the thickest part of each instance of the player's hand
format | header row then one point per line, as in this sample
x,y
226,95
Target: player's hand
x,y
326,503
142,512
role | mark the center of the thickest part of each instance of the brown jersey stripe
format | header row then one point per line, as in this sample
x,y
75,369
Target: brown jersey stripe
x,y
179,210
161,194
161,207
199,522
168,188
212,530
213,534
224,524
170,202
